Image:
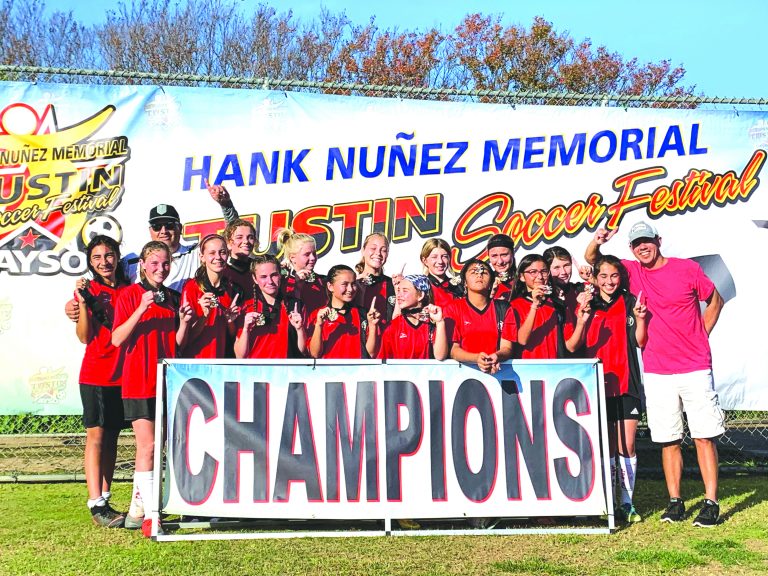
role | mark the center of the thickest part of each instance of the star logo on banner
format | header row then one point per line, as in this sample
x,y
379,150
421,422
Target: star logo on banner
x,y
29,239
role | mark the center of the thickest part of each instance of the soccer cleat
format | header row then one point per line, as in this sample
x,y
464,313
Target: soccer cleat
x,y
709,515
627,513
106,517
132,522
146,527
675,511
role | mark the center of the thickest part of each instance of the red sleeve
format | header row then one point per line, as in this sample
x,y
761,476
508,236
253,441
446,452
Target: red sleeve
x,y
509,326
191,294
125,305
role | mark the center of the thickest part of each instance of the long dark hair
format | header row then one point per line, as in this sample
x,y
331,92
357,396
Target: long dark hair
x,y
520,288
616,263
111,243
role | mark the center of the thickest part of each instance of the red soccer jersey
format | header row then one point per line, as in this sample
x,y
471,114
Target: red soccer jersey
x,y
543,343
100,362
240,273
153,338
502,289
443,292
271,339
476,330
341,337
312,295
379,287
404,341
607,339
211,342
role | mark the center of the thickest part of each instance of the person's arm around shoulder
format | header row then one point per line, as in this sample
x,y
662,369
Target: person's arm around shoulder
x,y
602,236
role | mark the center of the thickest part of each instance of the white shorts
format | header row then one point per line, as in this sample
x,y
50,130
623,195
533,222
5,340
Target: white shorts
x,y
667,396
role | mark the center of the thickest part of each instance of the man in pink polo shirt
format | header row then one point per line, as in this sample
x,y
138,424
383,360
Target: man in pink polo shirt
x,y
677,361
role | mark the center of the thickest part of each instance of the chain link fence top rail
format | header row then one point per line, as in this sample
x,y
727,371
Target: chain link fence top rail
x,y
51,447
547,97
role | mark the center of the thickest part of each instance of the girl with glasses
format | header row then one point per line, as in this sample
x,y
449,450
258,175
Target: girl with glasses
x,y
546,328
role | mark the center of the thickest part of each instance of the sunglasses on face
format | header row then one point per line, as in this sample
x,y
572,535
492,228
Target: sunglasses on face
x,y
166,225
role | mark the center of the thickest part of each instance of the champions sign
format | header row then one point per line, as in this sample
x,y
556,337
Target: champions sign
x,y
411,440
77,160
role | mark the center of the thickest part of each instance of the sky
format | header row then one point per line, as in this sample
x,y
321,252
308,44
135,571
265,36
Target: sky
x,y
720,44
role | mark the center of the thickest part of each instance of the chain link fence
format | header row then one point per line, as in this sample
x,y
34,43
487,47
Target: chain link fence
x,y
36,448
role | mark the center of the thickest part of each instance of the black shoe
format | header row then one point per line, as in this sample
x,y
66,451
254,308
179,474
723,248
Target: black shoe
x,y
709,515
675,511
106,517
483,523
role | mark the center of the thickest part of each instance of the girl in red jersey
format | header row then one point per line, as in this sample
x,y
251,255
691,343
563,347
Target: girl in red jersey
x,y
272,327
546,328
241,242
301,282
436,259
501,256
100,375
149,325
371,280
342,330
418,333
613,333
214,299
481,332
560,264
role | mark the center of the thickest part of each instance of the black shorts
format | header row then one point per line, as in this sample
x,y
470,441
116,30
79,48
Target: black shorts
x,y
139,408
624,407
102,407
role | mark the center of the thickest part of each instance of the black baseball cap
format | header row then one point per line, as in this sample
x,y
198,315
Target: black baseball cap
x,y
164,213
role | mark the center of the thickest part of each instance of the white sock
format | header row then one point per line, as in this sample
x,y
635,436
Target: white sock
x,y
144,480
106,495
136,509
628,473
93,502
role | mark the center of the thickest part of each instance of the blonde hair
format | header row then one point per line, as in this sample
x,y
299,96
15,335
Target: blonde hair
x,y
430,245
149,248
290,243
360,266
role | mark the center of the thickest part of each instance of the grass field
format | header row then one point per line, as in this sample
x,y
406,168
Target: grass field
x,y
46,529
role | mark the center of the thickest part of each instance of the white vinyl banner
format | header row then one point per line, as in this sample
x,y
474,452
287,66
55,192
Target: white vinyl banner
x,y
77,160
372,440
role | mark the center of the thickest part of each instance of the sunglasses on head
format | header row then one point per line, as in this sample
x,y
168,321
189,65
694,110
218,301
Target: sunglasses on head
x,y
167,225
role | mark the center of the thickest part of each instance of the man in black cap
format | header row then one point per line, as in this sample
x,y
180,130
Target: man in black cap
x,y
501,255
165,226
